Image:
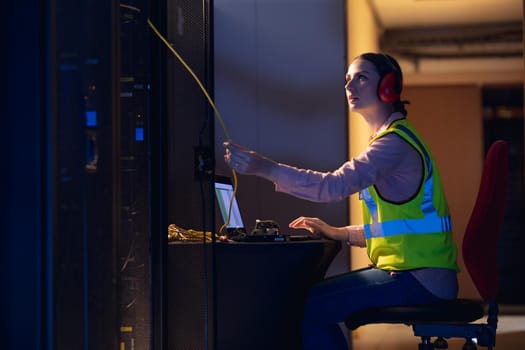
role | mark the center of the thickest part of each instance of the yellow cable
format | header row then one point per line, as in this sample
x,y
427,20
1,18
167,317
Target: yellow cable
x,y
129,7
192,73
210,101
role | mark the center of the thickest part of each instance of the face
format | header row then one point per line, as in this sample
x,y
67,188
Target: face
x,y
362,80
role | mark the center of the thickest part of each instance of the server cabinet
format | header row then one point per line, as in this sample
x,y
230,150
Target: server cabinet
x,y
83,209
100,165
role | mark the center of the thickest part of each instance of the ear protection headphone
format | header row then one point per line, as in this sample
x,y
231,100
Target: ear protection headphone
x,y
390,86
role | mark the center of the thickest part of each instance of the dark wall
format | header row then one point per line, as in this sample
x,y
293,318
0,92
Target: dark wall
x,y
279,85
503,119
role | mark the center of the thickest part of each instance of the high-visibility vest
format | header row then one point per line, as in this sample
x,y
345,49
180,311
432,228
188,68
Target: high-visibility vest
x,y
416,233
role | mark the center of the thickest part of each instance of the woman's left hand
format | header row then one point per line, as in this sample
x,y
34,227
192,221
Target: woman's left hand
x,y
318,227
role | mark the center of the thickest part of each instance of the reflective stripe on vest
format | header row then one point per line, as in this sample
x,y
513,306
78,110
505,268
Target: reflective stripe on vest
x,y
431,223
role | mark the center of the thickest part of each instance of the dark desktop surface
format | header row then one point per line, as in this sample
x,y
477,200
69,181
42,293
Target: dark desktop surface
x,y
247,238
241,295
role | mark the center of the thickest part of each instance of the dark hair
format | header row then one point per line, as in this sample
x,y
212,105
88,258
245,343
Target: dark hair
x,y
385,64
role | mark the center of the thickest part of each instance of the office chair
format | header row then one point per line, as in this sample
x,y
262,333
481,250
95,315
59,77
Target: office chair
x,y
454,319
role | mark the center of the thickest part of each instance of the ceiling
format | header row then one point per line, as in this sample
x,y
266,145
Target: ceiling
x,y
441,29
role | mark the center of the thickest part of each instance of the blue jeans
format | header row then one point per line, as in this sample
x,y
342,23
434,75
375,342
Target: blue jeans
x,y
332,300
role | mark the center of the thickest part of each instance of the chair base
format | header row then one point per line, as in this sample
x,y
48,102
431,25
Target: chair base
x,y
484,334
440,343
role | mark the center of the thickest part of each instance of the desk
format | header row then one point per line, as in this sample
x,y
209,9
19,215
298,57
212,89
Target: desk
x,y
259,293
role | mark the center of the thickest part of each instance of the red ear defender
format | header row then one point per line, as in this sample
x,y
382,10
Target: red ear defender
x,y
389,86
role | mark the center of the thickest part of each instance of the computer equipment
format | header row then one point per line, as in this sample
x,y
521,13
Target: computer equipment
x,y
224,193
263,231
235,229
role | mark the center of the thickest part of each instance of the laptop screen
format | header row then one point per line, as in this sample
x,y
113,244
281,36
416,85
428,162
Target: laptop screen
x,y
224,194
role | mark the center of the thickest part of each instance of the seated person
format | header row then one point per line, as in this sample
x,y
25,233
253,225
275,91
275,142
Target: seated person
x,y
407,230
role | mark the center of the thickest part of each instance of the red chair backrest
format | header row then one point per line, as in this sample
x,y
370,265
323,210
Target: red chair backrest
x,y
485,224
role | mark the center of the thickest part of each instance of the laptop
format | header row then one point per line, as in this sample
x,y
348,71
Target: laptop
x,y
224,194
264,231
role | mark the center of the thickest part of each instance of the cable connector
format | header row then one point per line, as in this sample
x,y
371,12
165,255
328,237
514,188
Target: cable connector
x,y
204,163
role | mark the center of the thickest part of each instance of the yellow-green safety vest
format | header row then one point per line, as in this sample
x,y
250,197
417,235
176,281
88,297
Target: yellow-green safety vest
x,y
416,233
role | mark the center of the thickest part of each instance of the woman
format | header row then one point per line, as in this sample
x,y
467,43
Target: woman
x,y
406,230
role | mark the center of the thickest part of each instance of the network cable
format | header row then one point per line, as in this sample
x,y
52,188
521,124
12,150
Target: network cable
x,y
206,94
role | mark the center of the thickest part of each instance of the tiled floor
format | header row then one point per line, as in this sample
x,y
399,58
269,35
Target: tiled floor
x,y
510,336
